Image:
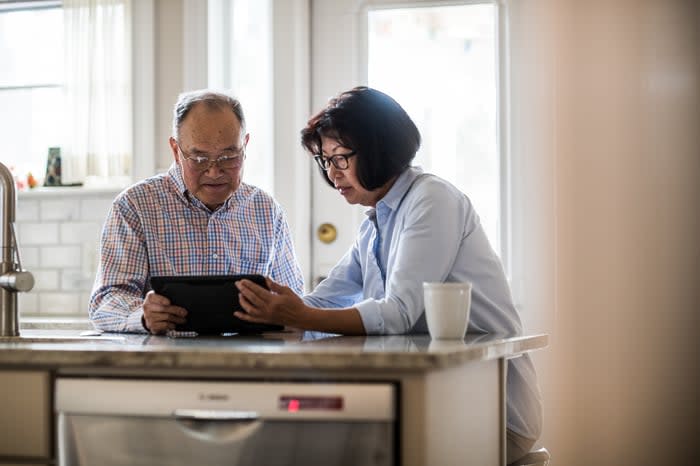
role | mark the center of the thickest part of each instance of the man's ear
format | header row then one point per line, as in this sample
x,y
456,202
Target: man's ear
x,y
173,147
246,139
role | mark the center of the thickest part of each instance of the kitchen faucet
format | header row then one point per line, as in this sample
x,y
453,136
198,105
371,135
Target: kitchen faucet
x,y
12,277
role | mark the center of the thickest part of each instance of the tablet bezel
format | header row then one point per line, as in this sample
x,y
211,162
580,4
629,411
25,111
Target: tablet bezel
x,y
207,298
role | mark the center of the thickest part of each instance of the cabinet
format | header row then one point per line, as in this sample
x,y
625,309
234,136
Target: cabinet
x,y
25,417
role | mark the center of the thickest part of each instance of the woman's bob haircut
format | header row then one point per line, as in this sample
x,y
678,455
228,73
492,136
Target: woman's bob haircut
x,y
371,124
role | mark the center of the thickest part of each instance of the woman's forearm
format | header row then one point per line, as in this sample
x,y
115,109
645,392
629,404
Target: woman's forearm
x,y
342,321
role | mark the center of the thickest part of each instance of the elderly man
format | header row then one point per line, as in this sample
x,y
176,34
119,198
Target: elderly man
x,y
199,218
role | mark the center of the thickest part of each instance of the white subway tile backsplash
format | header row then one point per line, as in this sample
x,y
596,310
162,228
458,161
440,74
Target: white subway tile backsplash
x,y
28,303
33,233
95,209
61,304
91,258
27,211
30,256
76,280
80,232
85,301
60,209
59,235
45,280
60,256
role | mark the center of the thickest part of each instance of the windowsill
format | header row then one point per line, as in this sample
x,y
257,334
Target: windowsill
x,y
67,191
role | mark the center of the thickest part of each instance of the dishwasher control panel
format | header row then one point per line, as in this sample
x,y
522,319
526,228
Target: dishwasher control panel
x,y
271,400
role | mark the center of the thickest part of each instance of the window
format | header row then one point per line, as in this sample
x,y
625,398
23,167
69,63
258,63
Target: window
x,y
240,60
98,93
441,63
31,80
66,82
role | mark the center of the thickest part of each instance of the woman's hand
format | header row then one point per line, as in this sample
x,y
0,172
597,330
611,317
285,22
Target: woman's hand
x,y
280,305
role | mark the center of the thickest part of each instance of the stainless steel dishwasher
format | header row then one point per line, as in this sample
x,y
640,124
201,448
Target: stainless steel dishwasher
x,y
181,422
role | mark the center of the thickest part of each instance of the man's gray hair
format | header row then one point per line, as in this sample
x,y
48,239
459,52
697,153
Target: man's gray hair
x,y
212,99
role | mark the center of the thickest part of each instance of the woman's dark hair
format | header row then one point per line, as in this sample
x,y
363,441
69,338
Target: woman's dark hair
x,y
373,125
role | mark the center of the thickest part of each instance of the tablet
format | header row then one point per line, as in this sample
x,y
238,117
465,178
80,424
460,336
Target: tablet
x,y
210,302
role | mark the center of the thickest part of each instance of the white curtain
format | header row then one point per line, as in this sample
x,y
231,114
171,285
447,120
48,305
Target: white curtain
x,y
98,90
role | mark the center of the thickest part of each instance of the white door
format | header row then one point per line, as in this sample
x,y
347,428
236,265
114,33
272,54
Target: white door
x,y
440,61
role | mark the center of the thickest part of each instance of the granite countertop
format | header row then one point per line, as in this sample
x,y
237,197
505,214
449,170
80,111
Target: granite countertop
x,y
53,323
278,350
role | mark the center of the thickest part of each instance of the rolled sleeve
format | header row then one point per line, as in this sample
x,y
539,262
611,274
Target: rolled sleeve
x,y
134,322
116,303
371,315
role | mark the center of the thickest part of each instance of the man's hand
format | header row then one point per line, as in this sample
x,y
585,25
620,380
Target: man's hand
x,y
159,315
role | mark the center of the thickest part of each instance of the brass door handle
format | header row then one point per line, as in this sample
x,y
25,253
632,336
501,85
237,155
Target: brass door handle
x,y
327,233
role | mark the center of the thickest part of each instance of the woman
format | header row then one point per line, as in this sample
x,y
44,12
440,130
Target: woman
x,y
419,228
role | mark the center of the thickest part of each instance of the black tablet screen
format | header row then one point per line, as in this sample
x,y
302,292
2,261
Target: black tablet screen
x,y
210,302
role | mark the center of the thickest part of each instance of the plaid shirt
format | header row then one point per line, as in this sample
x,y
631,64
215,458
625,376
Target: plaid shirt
x,y
157,228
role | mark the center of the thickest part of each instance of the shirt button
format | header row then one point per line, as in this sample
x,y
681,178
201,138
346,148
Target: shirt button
x,y
215,256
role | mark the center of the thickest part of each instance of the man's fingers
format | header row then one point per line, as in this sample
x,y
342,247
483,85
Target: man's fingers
x,y
151,308
161,323
160,318
178,311
176,314
175,319
154,298
162,327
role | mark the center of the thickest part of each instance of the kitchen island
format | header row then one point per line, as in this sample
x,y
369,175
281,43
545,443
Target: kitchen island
x,y
449,394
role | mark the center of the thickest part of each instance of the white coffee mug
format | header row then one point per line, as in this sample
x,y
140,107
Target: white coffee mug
x,y
447,309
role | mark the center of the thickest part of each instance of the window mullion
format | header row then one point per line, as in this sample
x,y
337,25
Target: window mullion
x,y
30,87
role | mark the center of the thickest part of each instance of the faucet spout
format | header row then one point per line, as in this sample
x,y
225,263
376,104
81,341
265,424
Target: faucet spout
x,y
12,277
7,212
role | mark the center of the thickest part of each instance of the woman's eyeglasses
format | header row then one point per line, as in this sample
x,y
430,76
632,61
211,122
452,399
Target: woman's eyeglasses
x,y
339,161
227,159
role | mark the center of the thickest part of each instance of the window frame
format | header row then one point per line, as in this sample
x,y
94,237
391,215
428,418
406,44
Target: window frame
x,y
503,123
143,79
21,6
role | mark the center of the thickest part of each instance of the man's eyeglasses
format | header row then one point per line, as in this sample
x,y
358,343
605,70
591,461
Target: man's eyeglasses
x,y
227,159
339,161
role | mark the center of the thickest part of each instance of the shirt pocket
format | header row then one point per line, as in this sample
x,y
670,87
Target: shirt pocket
x,y
240,267
181,249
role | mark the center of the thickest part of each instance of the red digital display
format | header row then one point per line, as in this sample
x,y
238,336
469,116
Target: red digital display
x,y
293,403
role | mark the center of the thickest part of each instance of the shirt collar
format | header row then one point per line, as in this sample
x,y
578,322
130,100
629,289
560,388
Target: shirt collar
x,y
393,197
175,173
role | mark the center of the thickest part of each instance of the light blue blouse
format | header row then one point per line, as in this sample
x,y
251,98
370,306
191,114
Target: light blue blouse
x,y
426,230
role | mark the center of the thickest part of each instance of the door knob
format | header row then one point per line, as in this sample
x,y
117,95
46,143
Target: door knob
x,y
327,233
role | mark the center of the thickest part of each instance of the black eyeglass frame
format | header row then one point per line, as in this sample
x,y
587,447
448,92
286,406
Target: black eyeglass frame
x,y
339,161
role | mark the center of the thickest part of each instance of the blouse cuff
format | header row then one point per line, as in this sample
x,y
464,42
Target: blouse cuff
x,y
371,316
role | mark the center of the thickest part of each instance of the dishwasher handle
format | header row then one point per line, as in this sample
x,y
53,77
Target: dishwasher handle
x,y
215,415
218,426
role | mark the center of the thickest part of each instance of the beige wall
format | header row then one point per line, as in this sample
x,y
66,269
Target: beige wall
x,y
622,382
